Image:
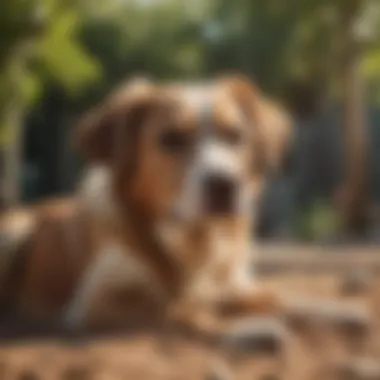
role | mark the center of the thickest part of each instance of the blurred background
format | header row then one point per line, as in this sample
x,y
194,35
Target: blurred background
x,y
320,58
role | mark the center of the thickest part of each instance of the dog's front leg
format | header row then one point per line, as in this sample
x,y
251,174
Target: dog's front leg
x,y
112,267
242,293
91,284
246,298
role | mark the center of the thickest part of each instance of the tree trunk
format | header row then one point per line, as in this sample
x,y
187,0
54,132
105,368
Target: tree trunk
x,y
356,188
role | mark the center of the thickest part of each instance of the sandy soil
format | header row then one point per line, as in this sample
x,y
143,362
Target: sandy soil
x,y
311,352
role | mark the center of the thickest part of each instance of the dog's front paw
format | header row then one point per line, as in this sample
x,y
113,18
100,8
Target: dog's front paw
x,y
192,317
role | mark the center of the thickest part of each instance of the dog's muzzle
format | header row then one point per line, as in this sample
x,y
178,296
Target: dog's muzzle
x,y
219,194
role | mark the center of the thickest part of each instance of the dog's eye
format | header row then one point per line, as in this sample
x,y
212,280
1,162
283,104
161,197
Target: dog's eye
x,y
175,141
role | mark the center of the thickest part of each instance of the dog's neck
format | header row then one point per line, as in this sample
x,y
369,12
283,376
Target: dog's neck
x,y
184,248
95,194
132,228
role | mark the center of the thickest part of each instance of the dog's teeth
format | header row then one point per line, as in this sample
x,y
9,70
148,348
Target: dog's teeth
x,y
259,335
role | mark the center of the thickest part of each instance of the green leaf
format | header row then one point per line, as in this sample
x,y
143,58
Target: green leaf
x,y
370,65
63,58
31,87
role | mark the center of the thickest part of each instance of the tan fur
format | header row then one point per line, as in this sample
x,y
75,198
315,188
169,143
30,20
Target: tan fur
x,y
51,267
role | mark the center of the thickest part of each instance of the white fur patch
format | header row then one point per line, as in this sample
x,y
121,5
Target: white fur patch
x,y
198,96
215,157
95,192
212,157
113,267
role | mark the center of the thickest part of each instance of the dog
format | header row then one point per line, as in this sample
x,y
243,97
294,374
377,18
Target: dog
x,y
164,210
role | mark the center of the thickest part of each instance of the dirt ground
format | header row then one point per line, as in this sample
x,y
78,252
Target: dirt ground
x,y
312,351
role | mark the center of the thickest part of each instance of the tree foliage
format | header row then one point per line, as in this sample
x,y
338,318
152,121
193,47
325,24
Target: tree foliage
x,y
72,42
38,43
78,50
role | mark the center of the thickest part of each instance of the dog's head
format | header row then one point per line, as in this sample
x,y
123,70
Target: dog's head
x,y
189,151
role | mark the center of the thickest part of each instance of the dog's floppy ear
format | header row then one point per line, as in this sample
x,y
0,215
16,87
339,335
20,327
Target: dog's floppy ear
x,y
271,124
99,130
93,135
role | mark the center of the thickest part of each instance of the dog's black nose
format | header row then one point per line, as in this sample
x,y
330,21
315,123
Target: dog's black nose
x,y
219,194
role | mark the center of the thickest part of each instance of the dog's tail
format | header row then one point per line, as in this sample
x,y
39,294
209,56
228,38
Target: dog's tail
x,y
16,228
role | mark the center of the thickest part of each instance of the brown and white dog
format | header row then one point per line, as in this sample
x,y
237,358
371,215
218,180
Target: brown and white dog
x,y
165,208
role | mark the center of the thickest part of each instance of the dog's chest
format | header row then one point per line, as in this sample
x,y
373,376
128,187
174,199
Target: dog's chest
x,y
119,265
